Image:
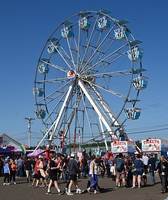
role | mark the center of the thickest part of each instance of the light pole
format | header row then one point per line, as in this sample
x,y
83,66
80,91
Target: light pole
x,y
29,119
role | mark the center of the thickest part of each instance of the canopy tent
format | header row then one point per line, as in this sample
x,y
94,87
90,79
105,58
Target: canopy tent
x,y
36,153
5,151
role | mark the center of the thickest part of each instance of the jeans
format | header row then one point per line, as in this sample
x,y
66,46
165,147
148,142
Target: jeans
x,y
20,171
152,176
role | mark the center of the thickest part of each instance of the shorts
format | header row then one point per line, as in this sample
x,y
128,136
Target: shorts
x,y
53,177
138,172
122,174
73,177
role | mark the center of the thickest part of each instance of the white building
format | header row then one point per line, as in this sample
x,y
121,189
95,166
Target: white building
x,y
7,141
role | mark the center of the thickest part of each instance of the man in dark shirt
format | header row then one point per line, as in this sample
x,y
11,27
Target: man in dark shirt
x,y
73,170
152,168
28,169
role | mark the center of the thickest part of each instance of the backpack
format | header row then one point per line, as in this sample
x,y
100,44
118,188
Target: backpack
x,y
119,165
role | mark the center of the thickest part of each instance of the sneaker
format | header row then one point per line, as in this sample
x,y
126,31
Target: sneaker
x,y
42,186
78,191
70,193
49,193
88,190
61,193
14,183
7,183
4,183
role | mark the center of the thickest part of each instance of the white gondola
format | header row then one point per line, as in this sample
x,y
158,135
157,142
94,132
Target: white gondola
x,y
84,23
133,113
43,69
135,54
104,23
121,33
38,92
51,49
140,82
67,32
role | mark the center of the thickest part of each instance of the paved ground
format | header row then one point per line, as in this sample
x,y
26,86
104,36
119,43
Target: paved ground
x,y
22,191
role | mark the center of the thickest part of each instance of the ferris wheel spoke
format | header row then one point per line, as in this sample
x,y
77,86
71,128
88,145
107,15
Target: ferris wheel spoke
x,y
58,67
66,58
104,60
50,81
98,46
51,97
89,40
111,74
70,51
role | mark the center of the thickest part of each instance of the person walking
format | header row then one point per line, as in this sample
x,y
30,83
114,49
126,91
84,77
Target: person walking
x,y
73,170
28,168
53,175
93,174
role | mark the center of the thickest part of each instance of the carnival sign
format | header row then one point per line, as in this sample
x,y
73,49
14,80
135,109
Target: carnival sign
x,y
151,145
123,147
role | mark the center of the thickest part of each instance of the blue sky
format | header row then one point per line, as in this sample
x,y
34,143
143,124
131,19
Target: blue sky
x,y
25,27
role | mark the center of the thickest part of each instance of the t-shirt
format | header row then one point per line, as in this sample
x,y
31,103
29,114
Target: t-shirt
x,y
73,167
28,165
6,168
151,164
138,164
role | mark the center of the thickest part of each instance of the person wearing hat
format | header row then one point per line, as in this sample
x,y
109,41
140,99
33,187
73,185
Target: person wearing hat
x,y
73,170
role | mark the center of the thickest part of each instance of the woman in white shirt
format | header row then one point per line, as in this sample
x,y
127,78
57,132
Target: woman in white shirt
x,y
93,174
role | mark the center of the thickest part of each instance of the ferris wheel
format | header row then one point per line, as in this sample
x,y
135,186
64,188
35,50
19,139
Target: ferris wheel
x,y
88,78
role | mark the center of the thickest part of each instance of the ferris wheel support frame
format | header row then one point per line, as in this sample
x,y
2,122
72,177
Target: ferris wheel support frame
x,y
55,124
96,108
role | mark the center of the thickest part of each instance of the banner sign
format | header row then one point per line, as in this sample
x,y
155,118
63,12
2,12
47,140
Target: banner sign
x,y
151,145
123,147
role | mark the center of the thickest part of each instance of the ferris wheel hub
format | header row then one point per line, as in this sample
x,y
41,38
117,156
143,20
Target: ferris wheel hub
x,y
71,74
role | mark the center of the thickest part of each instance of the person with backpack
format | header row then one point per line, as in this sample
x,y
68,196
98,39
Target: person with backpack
x,y
120,166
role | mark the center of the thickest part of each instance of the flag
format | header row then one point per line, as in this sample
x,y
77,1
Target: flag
x,y
23,148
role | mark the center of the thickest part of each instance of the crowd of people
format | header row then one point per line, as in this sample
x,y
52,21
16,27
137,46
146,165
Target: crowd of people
x,y
126,171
